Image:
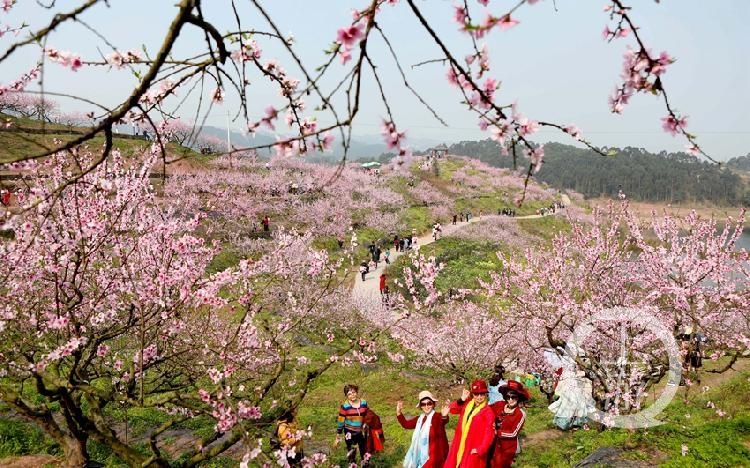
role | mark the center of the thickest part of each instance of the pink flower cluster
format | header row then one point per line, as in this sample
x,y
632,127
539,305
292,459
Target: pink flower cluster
x,y
640,73
394,140
64,58
250,50
347,37
119,59
20,84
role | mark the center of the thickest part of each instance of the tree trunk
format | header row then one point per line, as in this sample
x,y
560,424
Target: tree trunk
x,y
75,452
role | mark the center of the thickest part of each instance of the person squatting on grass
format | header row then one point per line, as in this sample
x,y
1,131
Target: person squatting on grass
x,y
290,440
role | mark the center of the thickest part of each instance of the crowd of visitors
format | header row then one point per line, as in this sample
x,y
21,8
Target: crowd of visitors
x,y
486,433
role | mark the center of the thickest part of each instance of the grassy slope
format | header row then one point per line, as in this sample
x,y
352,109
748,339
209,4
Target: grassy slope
x,y
13,144
711,440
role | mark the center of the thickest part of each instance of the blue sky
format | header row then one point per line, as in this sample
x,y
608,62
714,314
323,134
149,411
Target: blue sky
x,y
554,64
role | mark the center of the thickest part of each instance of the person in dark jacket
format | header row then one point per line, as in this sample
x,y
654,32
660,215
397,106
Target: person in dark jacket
x,y
429,443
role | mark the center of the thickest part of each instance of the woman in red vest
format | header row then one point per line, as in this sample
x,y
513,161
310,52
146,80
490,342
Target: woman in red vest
x,y
475,431
509,420
429,444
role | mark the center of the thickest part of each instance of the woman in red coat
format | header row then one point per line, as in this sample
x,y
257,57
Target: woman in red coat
x,y
429,444
475,431
509,420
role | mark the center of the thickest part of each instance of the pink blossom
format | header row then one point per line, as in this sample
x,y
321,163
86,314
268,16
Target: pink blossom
x,y
102,350
526,126
345,55
350,35
573,131
245,411
327,141
217,95
506,22
536,157
460,15
391,136
673,124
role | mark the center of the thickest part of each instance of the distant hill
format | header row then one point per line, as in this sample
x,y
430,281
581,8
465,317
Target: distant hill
x,y
741,163
359,148
662,177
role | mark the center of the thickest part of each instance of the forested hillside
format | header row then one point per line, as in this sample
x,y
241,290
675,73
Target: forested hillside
x,y
663,177
740,162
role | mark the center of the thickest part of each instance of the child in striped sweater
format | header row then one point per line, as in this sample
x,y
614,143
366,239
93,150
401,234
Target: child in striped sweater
x,y
351,416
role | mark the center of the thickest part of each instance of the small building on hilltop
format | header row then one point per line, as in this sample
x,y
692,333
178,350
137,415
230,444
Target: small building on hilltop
x,y
438,152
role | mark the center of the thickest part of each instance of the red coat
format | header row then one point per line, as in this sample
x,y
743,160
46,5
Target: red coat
x,y
438,442
506,444
373,430
480,436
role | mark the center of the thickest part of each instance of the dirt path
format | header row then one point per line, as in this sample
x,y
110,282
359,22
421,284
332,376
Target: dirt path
x,y
370,287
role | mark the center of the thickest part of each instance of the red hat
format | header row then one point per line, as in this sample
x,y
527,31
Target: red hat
x,y
479,386
517,388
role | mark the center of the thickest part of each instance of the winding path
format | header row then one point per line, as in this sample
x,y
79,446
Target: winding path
x,y
370,287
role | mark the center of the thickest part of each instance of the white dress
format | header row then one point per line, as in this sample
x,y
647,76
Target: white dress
x,y
575,400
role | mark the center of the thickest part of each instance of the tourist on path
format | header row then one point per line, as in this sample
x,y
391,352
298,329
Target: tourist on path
x,y
509,420
266,223
382,283
363,268
350,420
429,443
454,219
475,431
387,257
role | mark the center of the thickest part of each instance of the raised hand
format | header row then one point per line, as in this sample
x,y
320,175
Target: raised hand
x,y
465,394
399,407
446,408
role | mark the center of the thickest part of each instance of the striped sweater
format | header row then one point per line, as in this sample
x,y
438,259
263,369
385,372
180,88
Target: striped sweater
x,y
350,418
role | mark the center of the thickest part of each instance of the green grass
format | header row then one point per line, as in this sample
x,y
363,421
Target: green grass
x,y
465,262
21,438
227,258
417,217
448,166
14,144
711,440
546,228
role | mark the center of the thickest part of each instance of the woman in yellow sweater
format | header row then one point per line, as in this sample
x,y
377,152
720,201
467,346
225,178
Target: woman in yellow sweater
x,y
290,438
